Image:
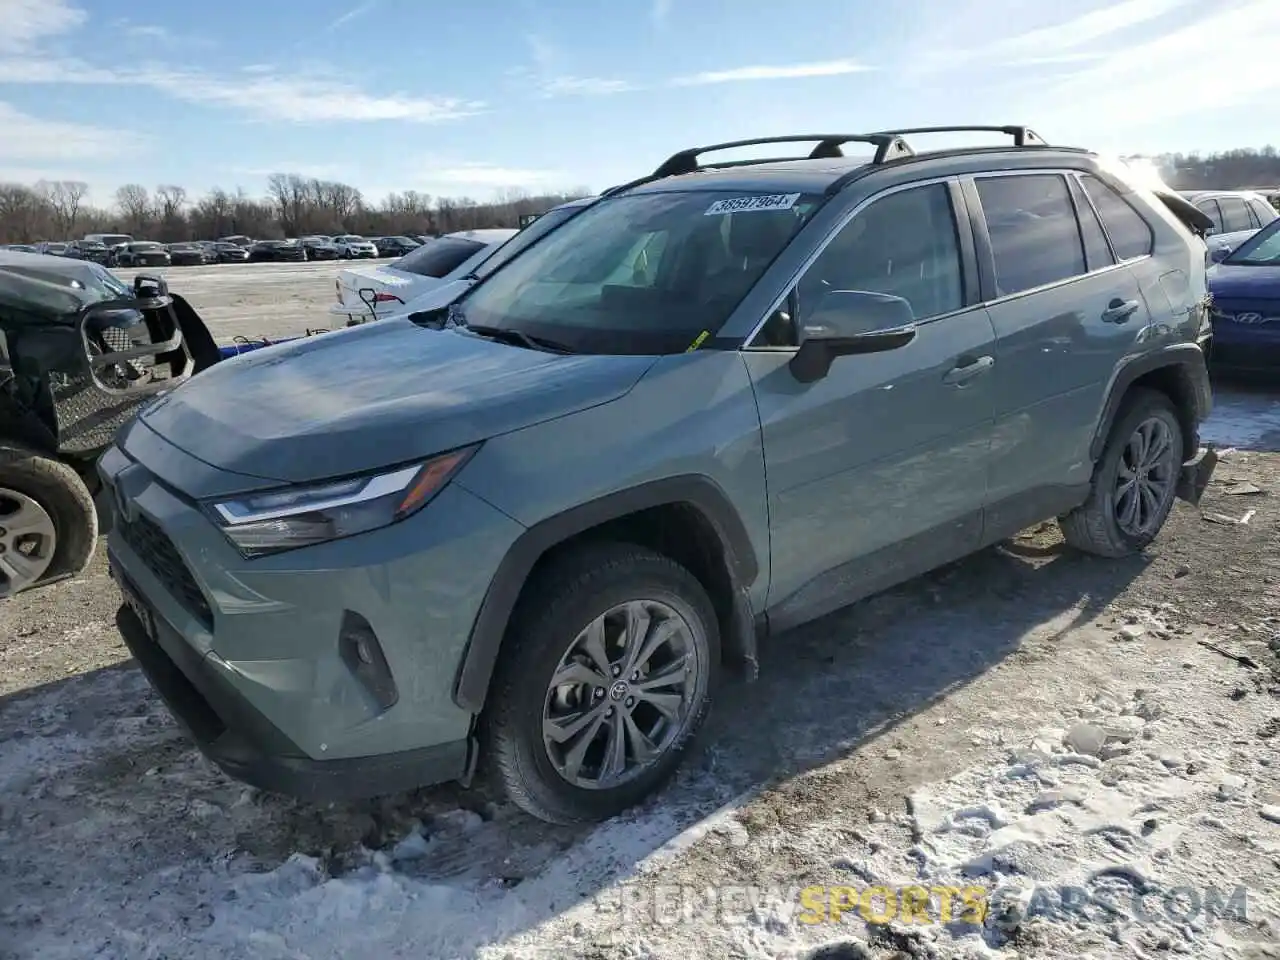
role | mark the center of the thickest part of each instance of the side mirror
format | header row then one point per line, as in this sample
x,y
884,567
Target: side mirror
x,y
850,322
1218,254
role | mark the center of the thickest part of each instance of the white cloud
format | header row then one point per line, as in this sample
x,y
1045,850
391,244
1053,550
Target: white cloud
x,y
825,68
1091,27
585,86
27,138
24,23
357,11
258,93
1178,73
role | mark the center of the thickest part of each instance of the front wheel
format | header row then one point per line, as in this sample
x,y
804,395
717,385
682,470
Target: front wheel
x,y
1135,481
48,521
608,672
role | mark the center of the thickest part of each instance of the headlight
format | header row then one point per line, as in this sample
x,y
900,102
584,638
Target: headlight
x,y
277,520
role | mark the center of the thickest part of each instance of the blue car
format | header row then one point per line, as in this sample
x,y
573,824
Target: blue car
x,y
1246,305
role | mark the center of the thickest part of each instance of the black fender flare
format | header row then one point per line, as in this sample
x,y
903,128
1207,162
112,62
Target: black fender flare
x,y
700,492
1188,361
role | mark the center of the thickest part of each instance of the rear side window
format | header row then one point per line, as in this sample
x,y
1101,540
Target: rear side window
x,y
1235,215
439,257
1264,212
1097,252
1035,238
1130,234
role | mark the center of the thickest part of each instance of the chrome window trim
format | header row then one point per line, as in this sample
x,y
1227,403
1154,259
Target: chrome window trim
x,y
1064,172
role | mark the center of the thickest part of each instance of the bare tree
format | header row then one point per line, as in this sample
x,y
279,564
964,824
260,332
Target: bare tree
x,y
21,211
64,198
170,200
294,206
135,206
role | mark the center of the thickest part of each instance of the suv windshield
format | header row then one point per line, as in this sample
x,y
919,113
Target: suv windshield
x,y
641,274
439,257
1260,250
525,238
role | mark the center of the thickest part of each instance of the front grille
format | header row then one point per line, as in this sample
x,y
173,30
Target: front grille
x,y
156,550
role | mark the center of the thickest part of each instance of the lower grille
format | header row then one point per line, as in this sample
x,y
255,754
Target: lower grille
x,y
156,550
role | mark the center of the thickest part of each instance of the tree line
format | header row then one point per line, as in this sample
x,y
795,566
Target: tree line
x,y
293,206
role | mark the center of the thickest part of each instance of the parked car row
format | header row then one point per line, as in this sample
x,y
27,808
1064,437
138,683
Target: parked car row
x,y
122,250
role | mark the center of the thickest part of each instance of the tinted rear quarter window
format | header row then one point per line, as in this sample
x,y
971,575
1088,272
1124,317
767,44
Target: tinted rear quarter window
x,y
1130,234
439,257
1235,215
1263,211
1035,238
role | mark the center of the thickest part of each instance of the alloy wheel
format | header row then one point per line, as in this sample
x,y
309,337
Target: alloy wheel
x,y
1145,478
28,540
623,693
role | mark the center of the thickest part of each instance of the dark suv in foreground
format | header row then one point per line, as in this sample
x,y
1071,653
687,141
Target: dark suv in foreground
x,y
530,531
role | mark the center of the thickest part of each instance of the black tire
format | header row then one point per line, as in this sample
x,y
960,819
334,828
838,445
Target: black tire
x,y
576,590
1092,527
57,488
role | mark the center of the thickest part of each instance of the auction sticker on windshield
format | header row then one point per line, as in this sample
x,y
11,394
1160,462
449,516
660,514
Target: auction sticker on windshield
x,y
768,201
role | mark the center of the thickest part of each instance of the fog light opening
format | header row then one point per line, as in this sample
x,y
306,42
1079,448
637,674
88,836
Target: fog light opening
x,y
360,650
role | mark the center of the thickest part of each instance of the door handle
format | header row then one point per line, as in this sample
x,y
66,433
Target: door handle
x,y
964,372
1118,311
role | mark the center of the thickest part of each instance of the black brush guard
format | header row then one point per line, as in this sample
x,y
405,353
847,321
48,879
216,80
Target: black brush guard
x,y
128,350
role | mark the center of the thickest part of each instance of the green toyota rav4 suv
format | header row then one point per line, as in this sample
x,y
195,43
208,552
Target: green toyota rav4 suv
x,y
529,533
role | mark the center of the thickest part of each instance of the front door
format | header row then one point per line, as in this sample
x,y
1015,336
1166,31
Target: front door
x,y
878,471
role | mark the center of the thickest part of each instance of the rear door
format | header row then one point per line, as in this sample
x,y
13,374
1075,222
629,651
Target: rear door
x,y
1065,312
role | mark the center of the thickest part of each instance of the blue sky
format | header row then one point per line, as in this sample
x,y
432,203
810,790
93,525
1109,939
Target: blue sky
x,y
466,98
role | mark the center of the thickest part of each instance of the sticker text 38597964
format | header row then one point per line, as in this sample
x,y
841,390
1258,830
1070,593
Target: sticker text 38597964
x,y
768,201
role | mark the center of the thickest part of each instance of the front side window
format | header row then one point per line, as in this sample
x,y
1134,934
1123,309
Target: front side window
x,y
1260,250
1210,209
1130,234
439,257
903,244
1235,215
1035,238
643,273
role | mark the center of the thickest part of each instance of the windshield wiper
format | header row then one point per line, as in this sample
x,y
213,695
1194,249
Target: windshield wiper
x,y
518,338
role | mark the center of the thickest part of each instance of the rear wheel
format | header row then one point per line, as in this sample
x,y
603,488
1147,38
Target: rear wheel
x,y
607,675
1135,481
48,522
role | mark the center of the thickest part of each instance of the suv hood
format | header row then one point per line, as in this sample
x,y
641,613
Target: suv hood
x,y
375,395
1256,283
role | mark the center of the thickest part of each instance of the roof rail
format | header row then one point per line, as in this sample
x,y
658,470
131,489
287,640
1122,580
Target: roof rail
x,y
1022,136
889,145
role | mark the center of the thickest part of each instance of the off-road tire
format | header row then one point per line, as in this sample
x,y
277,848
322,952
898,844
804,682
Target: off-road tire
x,y
59,489
574,591
1092,527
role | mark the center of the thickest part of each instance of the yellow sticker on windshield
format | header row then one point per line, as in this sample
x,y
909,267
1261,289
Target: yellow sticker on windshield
x,y
698,341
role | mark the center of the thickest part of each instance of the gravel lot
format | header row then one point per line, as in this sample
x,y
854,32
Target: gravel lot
x,y
1026,719
258,299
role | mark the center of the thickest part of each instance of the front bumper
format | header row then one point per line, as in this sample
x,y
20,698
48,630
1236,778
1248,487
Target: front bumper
x,y
253,655
247,746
